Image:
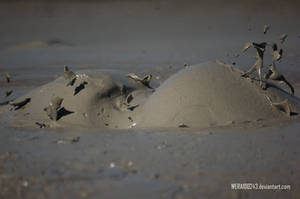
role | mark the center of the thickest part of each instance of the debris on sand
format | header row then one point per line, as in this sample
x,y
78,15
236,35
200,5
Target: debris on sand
x,y
25,183
283,38
80,87
156,175
266,28
53,108
75,139
145,81
8,77
42,125
282,106
182,125
129,98
273,74
131,108
20,104
247,46
185,65
68,140
112,165
132,125
130,164
8,93
260,49
161,145
277,54
69,76
4,103
61,142
130,119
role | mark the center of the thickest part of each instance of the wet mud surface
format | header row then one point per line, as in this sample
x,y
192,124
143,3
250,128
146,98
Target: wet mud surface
x,y
149,164
37,40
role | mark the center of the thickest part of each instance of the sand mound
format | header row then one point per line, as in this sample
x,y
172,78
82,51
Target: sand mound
x,y
203,95
211,94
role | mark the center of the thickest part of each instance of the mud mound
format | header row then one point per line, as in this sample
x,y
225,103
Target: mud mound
x,y
95,99
211,94
204,95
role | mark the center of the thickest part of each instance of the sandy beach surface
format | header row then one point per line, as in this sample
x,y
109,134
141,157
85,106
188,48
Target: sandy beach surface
x,y
201,129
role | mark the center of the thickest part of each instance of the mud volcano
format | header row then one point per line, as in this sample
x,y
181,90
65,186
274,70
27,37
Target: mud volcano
x,y
104,99
204,95
212,94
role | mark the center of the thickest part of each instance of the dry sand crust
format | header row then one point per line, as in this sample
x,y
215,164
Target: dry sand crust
x,y
203,95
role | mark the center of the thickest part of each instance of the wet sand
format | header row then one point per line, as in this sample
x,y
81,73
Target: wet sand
x,y
38,39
